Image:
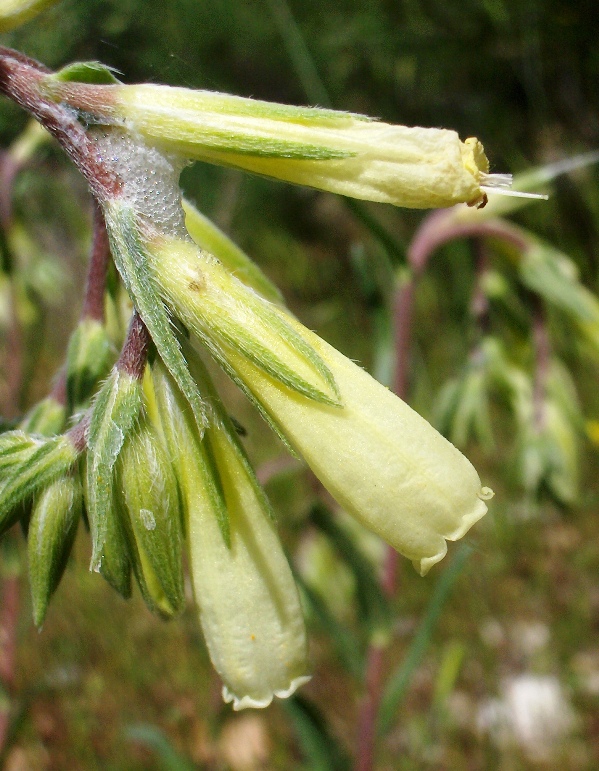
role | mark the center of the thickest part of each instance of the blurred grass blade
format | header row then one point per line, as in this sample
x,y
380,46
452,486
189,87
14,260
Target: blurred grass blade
x,y
536,180
298,52
153,739
449,670
321,750
397,685
347,646
315,91
373,608
554,276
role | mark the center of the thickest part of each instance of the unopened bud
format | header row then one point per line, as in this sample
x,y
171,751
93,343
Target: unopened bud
x,y
47,417
115,411
52,530
30,464
152,520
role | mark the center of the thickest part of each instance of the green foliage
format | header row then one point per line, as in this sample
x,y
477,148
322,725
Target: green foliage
x,y
522,76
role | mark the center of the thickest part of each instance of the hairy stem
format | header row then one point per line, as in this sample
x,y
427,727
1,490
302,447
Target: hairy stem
x,y
134,353
93,303
21,80
132,360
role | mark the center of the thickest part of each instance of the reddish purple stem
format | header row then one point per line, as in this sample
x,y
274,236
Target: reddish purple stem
x,y
93,303
21,79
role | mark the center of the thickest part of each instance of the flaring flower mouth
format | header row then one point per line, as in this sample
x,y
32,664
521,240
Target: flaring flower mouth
x,y
247,702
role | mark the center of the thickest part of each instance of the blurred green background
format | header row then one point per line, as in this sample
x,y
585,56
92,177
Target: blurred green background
x,y
106,685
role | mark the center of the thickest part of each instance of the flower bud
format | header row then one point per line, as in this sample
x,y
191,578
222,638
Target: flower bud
x,y
150,511
129,249
50,537
224,313
115,565
115,411
28,464
47,417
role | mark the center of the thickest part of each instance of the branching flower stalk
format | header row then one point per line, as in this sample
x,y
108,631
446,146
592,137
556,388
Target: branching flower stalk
x,y
155,457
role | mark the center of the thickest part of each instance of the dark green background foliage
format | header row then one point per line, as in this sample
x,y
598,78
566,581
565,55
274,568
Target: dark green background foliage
x,y
108,686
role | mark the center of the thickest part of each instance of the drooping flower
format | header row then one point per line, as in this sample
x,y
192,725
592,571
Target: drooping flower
x,y
248,603
383,462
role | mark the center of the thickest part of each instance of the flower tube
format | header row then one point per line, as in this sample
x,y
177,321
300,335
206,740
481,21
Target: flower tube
x,y
247,600
383,462
340,152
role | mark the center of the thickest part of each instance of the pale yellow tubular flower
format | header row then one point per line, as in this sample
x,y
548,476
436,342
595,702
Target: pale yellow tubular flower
x,y
15,12
380,460
248,603
385,464
340,152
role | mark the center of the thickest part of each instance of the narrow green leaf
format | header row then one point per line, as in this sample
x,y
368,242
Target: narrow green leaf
x,y
221,421
115,567
225,315
16,446
47,418
207,236
114,413
51,533
48,461
373,606
399,681
154,739
321,750
148,491
449,670
88,357
226,142
219,357
348,647
84,72
185,446
132,261
555,277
